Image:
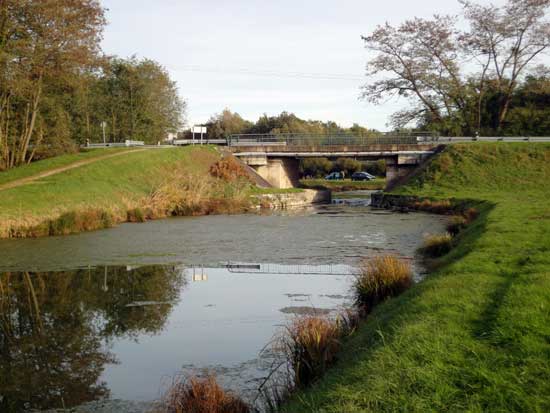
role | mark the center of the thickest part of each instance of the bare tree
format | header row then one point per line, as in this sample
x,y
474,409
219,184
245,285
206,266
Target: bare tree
x,y
506,40
441,69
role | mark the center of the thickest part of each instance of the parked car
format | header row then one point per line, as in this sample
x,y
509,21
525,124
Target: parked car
x,y
334,176
362,176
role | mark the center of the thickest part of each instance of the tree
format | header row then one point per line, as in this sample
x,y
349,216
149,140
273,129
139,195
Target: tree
x,y
41,42
221,125
137,99
445,73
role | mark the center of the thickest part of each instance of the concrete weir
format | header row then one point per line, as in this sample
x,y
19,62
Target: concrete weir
x,y
295,199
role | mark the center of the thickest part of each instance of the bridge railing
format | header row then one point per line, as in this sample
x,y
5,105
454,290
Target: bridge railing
x,y
295,139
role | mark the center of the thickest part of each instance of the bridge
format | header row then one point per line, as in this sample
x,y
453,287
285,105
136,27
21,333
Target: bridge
x,y
276,157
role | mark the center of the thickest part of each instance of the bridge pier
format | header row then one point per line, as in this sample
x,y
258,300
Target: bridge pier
x,y
279,172
399,167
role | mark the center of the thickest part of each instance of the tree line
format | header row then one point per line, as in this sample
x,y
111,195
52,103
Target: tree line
x,y
226,123
484,79
319,167
57,87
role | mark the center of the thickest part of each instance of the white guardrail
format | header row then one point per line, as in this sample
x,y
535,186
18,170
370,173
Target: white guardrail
x,y
458,139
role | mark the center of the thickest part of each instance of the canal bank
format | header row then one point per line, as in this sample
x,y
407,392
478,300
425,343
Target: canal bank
x,y
473,336
178,296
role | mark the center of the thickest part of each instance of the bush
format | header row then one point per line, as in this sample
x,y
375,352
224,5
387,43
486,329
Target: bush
x,y
310,344
437,245
377,168
229,169
203,395
316,167
380,278
348,165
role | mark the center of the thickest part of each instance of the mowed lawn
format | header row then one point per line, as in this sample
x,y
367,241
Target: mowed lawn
x,y
107,183
475,335
35,168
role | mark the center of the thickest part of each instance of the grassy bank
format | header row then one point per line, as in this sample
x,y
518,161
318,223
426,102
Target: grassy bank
x,y
475,335
134,186
35,168
343,184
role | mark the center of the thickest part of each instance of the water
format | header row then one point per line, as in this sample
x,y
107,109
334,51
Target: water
x,y
119,313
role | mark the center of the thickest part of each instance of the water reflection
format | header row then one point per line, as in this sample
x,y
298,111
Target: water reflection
x,y
54,327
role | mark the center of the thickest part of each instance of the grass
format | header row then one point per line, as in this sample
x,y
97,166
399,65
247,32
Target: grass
x,y
134,186
56,162
380,278
310,343
436,245
475,334
202,395
344,184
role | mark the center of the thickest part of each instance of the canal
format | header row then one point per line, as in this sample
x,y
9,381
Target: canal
x,y
107,320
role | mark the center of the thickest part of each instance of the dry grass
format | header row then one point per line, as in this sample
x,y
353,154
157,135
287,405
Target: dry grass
x,y
310,344
380,278
229,169
437,245
177,192
437,207
202,395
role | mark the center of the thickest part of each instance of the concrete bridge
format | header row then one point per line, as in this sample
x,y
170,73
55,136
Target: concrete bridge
x,y
276,157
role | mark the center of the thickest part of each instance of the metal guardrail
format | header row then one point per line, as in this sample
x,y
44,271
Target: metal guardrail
x,y
383,139
294,139
126,143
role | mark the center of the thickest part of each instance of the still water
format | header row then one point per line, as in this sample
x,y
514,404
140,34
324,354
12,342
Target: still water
x,y
117,314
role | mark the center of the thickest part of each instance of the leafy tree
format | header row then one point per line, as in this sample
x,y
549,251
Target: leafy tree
x,y
137,99
223,124
41,42
315,167
348,165
446,73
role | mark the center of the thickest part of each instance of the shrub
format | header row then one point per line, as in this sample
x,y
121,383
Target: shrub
x,y
229,169
456,224
203,395
380,278
437,245
310,344
317,167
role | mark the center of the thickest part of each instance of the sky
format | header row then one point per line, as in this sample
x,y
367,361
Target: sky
x,y
255,56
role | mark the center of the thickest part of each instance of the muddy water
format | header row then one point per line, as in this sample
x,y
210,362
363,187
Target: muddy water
x,y
106,320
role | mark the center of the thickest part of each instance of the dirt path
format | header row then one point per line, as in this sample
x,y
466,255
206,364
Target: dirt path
x,y
55,171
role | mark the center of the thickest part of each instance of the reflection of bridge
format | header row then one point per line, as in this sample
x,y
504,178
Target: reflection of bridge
x,y
275,157
289,269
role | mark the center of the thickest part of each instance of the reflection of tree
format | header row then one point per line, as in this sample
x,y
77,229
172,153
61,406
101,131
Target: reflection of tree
x,y
53,327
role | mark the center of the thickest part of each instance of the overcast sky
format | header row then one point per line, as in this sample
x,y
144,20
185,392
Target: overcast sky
x,y
255,57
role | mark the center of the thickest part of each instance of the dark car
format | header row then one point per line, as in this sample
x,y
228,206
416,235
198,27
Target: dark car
x,y
362,176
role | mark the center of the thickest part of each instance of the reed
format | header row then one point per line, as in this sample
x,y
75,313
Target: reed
x,y
310,344
436,245
202,395
380,278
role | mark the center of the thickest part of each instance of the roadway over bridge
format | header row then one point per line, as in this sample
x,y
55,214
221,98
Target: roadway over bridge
x,y
276,157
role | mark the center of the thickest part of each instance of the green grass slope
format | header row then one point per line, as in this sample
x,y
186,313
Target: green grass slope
x,y
475,335
35,168
114,185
